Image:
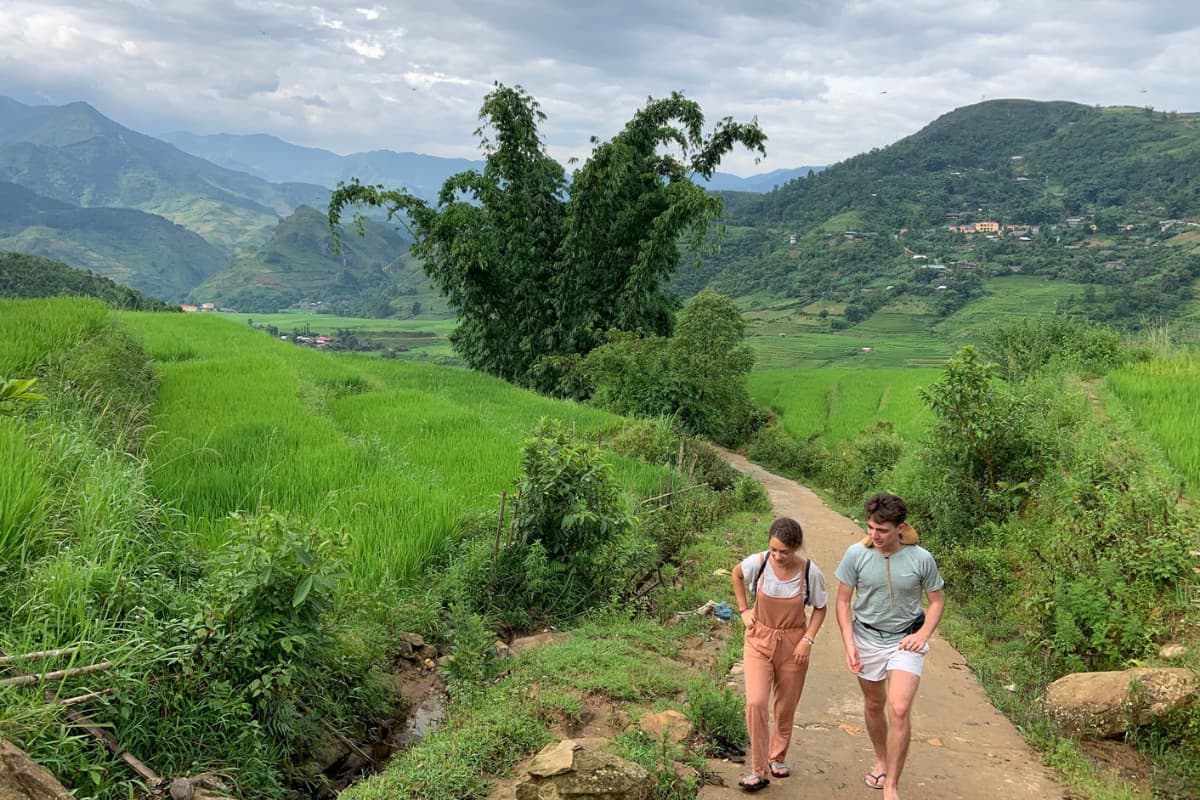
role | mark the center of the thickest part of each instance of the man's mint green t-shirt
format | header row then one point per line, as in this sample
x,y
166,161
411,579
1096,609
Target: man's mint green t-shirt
x,y
866,570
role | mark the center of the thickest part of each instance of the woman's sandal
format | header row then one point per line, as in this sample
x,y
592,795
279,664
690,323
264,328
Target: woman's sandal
x,y
875,781
752,783
779,770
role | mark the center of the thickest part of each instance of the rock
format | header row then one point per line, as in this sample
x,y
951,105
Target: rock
x,y
579,768
429,651
1104,704
181,789
502,649
429,663
1170,652
405,650
670,725
536,640
415,640
22,779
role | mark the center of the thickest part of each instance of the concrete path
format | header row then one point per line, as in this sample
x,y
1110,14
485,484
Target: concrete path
x,y
962,748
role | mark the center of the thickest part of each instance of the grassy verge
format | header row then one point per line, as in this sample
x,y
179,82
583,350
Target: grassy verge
x,y
621,661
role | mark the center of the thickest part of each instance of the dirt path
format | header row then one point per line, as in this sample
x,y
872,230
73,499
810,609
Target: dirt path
x,y
962,748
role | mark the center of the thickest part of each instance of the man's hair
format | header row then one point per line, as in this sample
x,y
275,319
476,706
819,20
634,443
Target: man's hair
x,y
884,507
788,531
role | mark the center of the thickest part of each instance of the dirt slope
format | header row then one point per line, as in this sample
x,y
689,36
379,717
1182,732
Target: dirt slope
x,y
962,748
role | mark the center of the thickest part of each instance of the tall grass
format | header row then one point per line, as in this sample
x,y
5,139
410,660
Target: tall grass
x,y
32,330
837,404
23,496
1163,397
396,452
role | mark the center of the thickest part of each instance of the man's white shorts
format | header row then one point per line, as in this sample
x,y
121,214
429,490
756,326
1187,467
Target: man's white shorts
x,y
879,658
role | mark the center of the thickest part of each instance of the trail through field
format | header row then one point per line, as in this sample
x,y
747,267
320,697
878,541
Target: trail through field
x,y
962,747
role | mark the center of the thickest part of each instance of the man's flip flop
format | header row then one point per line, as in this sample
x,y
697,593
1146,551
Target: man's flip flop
x,y
779,770
875,781
753,783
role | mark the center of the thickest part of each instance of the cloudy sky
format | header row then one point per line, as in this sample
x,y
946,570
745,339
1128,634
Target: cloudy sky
x,y
826,79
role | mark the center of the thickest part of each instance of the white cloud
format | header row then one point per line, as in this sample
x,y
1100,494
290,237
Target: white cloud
x,y
366,49
826,80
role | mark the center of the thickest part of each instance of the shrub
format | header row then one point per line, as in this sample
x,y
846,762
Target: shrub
x,y
718,716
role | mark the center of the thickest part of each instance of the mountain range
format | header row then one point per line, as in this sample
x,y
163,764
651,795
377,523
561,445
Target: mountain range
x,y
76,155
1104,197
273,159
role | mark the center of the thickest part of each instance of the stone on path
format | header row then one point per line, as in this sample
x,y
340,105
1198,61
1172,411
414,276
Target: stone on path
x,y
578,769
1105,704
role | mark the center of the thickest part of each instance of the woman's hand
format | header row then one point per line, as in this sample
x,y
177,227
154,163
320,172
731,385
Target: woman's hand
x,y
802,651
914,643
748,617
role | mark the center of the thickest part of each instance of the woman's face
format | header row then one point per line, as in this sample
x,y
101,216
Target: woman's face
x,y
781,554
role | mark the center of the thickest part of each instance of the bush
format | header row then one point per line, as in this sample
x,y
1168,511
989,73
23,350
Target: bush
x,y
774,448
1030,345
718,716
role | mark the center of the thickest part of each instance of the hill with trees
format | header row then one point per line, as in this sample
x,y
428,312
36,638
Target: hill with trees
x,y
131,247
25,276
300,264
75,154
1102,196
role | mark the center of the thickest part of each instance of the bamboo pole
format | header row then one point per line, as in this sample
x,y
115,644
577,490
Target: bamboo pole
x,y
29,680
499,528
82,698
40,654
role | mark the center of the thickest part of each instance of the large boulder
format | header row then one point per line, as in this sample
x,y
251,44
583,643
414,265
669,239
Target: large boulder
x,y
22,779
579,768
1104,704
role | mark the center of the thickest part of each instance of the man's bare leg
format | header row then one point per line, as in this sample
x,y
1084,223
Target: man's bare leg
x,y
875,712
901,689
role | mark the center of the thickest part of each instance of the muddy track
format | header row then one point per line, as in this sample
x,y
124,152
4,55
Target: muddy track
x,y
962,747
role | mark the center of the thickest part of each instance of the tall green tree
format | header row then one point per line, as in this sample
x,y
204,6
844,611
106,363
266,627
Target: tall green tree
x,y
539,268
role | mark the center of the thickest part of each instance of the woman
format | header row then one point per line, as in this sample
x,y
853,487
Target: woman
x,y
779,638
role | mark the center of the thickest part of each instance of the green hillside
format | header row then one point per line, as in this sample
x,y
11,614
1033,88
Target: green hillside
x,y
75,154
131,247
298,263
1107,198
28,276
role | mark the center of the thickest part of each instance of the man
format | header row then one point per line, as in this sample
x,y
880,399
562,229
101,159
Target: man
x,y
887,636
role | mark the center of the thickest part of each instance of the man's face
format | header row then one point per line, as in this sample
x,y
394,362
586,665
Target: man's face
x,y
884,535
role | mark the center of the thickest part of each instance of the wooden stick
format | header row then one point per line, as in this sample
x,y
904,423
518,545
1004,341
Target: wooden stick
x,y
113,746
345,739
27,680
513,521
499,528
82,698
65,651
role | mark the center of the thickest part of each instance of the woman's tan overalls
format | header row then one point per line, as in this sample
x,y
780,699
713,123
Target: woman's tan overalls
x,y
779,625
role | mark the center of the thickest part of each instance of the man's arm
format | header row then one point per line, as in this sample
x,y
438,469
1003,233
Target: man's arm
x,y
846,625
933,615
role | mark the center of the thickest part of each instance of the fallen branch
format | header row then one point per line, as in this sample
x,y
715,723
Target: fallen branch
x,y
41,654
60,674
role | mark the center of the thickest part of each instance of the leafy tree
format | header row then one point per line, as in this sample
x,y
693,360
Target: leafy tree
x,y
539,267
697,375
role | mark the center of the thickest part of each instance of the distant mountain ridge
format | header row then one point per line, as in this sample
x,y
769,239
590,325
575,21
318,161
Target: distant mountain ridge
x,y
298,262
274,159
75,154
133,248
